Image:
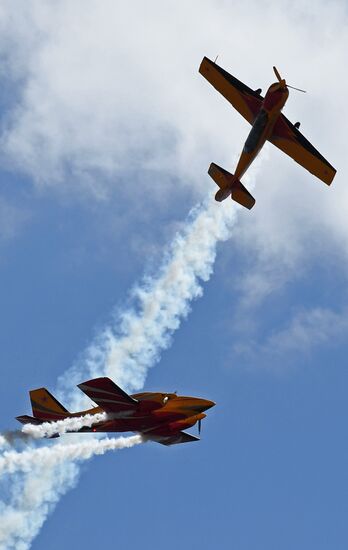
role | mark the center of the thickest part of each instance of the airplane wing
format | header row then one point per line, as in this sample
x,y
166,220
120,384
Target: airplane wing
x,y
289,140
244,99
170,439
105,393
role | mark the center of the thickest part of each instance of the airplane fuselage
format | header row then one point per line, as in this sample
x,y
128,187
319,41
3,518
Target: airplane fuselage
x,y
169,410
262,127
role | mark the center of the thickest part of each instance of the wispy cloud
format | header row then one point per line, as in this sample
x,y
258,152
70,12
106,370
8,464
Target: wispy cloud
x,y
307,331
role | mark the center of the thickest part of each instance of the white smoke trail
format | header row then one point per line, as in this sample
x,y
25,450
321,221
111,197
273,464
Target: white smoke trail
x,y
43,484
48,457
60,427
125,350
31,498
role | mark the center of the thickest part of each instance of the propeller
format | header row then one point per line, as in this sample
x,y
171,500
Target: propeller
x,y
199,425
298,89
277,74
283,82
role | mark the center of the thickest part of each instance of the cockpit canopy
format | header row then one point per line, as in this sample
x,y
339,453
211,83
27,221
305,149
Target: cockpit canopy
x,y
153,400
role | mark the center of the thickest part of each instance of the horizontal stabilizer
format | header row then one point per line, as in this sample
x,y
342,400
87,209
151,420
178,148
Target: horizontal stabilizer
x,y
110,397
230,185
25,419
241,195
221,177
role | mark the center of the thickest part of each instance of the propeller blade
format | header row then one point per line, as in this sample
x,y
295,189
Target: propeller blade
x,y
199,425
298,89
277,74
283,83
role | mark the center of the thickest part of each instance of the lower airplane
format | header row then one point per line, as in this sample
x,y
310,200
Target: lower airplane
x,y
268,123
159,417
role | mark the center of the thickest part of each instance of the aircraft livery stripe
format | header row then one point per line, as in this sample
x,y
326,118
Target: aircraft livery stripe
x,y
42,408
102,400
116,393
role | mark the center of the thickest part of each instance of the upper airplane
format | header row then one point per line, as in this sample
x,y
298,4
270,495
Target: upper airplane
x,y
264,114
159,417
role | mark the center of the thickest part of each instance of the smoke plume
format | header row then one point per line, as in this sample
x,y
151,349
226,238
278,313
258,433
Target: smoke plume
x,y
48,457
128,347
124,350
60,427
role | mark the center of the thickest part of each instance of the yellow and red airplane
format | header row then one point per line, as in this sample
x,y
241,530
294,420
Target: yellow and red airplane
x,y
268,123
159,417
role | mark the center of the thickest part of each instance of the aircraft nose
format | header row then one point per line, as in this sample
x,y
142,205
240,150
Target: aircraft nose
x,y
206,404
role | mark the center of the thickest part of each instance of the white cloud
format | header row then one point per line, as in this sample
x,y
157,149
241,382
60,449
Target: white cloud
x,y
106,91
306,331
110,98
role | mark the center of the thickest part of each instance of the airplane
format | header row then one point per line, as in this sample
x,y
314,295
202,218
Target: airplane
x,y
156,416
268,123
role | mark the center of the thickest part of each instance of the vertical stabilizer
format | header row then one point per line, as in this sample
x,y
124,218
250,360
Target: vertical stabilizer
x,y
45,406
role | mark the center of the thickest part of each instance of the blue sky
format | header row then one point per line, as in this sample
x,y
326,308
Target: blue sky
x,y
107,132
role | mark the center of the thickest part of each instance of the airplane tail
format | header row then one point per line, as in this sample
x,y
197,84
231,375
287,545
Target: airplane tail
x,y
230,185
25,419
45,406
